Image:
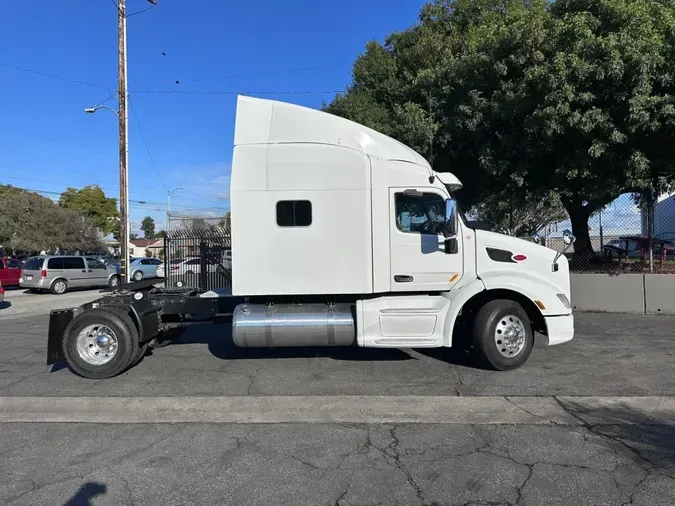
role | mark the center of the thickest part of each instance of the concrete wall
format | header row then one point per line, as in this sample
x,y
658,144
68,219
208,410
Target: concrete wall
x,y
624,293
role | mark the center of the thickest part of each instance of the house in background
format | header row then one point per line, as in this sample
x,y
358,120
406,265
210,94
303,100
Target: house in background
x,y
137,247
664,218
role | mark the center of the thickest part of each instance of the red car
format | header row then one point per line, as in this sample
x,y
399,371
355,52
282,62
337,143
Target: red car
x,y
10,271
2,292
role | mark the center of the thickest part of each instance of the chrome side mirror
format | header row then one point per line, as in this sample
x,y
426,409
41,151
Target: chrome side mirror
x,y
450,218
568,238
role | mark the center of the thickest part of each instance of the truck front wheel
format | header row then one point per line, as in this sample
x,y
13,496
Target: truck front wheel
x,y
503,335
100,343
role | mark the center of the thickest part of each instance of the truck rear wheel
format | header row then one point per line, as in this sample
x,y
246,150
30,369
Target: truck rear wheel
x,y
503,335
100,343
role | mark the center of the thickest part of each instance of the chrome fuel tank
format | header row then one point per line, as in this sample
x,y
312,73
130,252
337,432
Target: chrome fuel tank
x,y
278,325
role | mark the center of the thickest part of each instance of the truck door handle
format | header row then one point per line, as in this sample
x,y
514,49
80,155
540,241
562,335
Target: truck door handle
x,y
403,279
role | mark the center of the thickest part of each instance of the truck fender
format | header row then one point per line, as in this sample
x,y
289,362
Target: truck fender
x,y
146,317
458,297
535,288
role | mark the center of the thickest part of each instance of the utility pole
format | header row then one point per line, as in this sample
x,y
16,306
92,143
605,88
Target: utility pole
x,y
123,116
168,207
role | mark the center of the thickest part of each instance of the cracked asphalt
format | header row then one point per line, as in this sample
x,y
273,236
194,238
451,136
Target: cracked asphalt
x,y
629,459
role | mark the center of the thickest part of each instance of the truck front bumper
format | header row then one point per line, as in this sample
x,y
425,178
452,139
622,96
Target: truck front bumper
x,y
560,329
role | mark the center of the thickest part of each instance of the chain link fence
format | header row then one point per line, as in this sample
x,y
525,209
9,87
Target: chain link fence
x,y
635,233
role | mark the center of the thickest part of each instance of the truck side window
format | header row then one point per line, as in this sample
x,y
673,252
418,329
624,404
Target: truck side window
x,y
294,213
420,215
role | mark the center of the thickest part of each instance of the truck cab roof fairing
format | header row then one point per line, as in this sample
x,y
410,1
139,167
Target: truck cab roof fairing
x,y
262,121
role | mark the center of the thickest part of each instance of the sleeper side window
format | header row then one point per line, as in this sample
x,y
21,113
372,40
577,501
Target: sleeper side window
x,y
294,213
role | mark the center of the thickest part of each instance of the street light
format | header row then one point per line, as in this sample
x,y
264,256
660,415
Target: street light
x,y
168,207
92,110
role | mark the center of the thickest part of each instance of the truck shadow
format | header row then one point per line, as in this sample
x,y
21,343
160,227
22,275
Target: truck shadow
x,y
220,344
218,338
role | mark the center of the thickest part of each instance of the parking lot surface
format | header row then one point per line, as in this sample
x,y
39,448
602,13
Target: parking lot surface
x,y
20,303
202,422
611,355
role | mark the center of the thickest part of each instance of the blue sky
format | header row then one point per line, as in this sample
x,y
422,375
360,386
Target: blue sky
x,y
47,142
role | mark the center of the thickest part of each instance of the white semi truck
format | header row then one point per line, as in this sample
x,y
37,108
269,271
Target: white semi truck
x,y
341,236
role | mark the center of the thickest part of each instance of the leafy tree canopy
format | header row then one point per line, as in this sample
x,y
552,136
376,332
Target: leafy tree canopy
x,y
148,227
92,202
529,98
31,222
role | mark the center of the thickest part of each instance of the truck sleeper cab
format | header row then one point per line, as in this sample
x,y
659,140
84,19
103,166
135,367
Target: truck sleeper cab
x,y
341,236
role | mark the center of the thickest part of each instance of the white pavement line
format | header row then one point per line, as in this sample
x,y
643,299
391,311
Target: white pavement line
x,y
334,409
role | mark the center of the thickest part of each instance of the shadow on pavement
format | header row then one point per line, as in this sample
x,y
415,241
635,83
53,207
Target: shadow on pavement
x,y
87,492
647,438
219,340
5,304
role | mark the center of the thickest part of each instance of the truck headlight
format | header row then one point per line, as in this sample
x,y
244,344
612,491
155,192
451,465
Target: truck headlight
x,y
566,302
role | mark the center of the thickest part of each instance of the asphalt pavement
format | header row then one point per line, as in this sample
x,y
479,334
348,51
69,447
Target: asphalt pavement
x,y
20,303
202,422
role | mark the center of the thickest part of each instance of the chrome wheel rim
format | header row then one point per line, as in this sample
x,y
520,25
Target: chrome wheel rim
x,y
510,336
97,344
114,281
59,287
138,276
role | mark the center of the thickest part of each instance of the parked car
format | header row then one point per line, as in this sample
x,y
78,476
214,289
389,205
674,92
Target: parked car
x,y
189,266
10,271
2,292
58,274
141,268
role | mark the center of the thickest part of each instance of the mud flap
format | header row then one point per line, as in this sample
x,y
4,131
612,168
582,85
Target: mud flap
x,y
58,321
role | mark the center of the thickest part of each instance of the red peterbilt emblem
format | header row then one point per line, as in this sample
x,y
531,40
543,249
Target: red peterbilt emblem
x,y
519,258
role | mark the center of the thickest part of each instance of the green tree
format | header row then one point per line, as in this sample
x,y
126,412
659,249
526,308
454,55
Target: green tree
x,y
148,227
133,236
225,222
161,234
570,100
30,222
148,253
92,202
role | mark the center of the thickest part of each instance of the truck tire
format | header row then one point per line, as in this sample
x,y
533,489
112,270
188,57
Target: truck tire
x,y
142,348
502,335
100,343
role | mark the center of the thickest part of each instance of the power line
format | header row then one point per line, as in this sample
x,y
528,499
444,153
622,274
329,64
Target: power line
x,y
267,73
152,160
174,92
294,92
60,78
105,188
136,203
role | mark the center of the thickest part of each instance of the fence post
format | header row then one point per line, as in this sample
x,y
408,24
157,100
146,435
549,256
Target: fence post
x,y
203,265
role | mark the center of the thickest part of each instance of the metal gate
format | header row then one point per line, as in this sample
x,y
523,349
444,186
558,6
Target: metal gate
x,y
198,258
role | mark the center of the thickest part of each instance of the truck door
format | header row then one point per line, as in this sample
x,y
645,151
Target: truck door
x,y
419,261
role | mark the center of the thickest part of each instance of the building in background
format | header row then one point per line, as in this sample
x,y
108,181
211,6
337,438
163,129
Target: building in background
x,y
138,247
664,218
